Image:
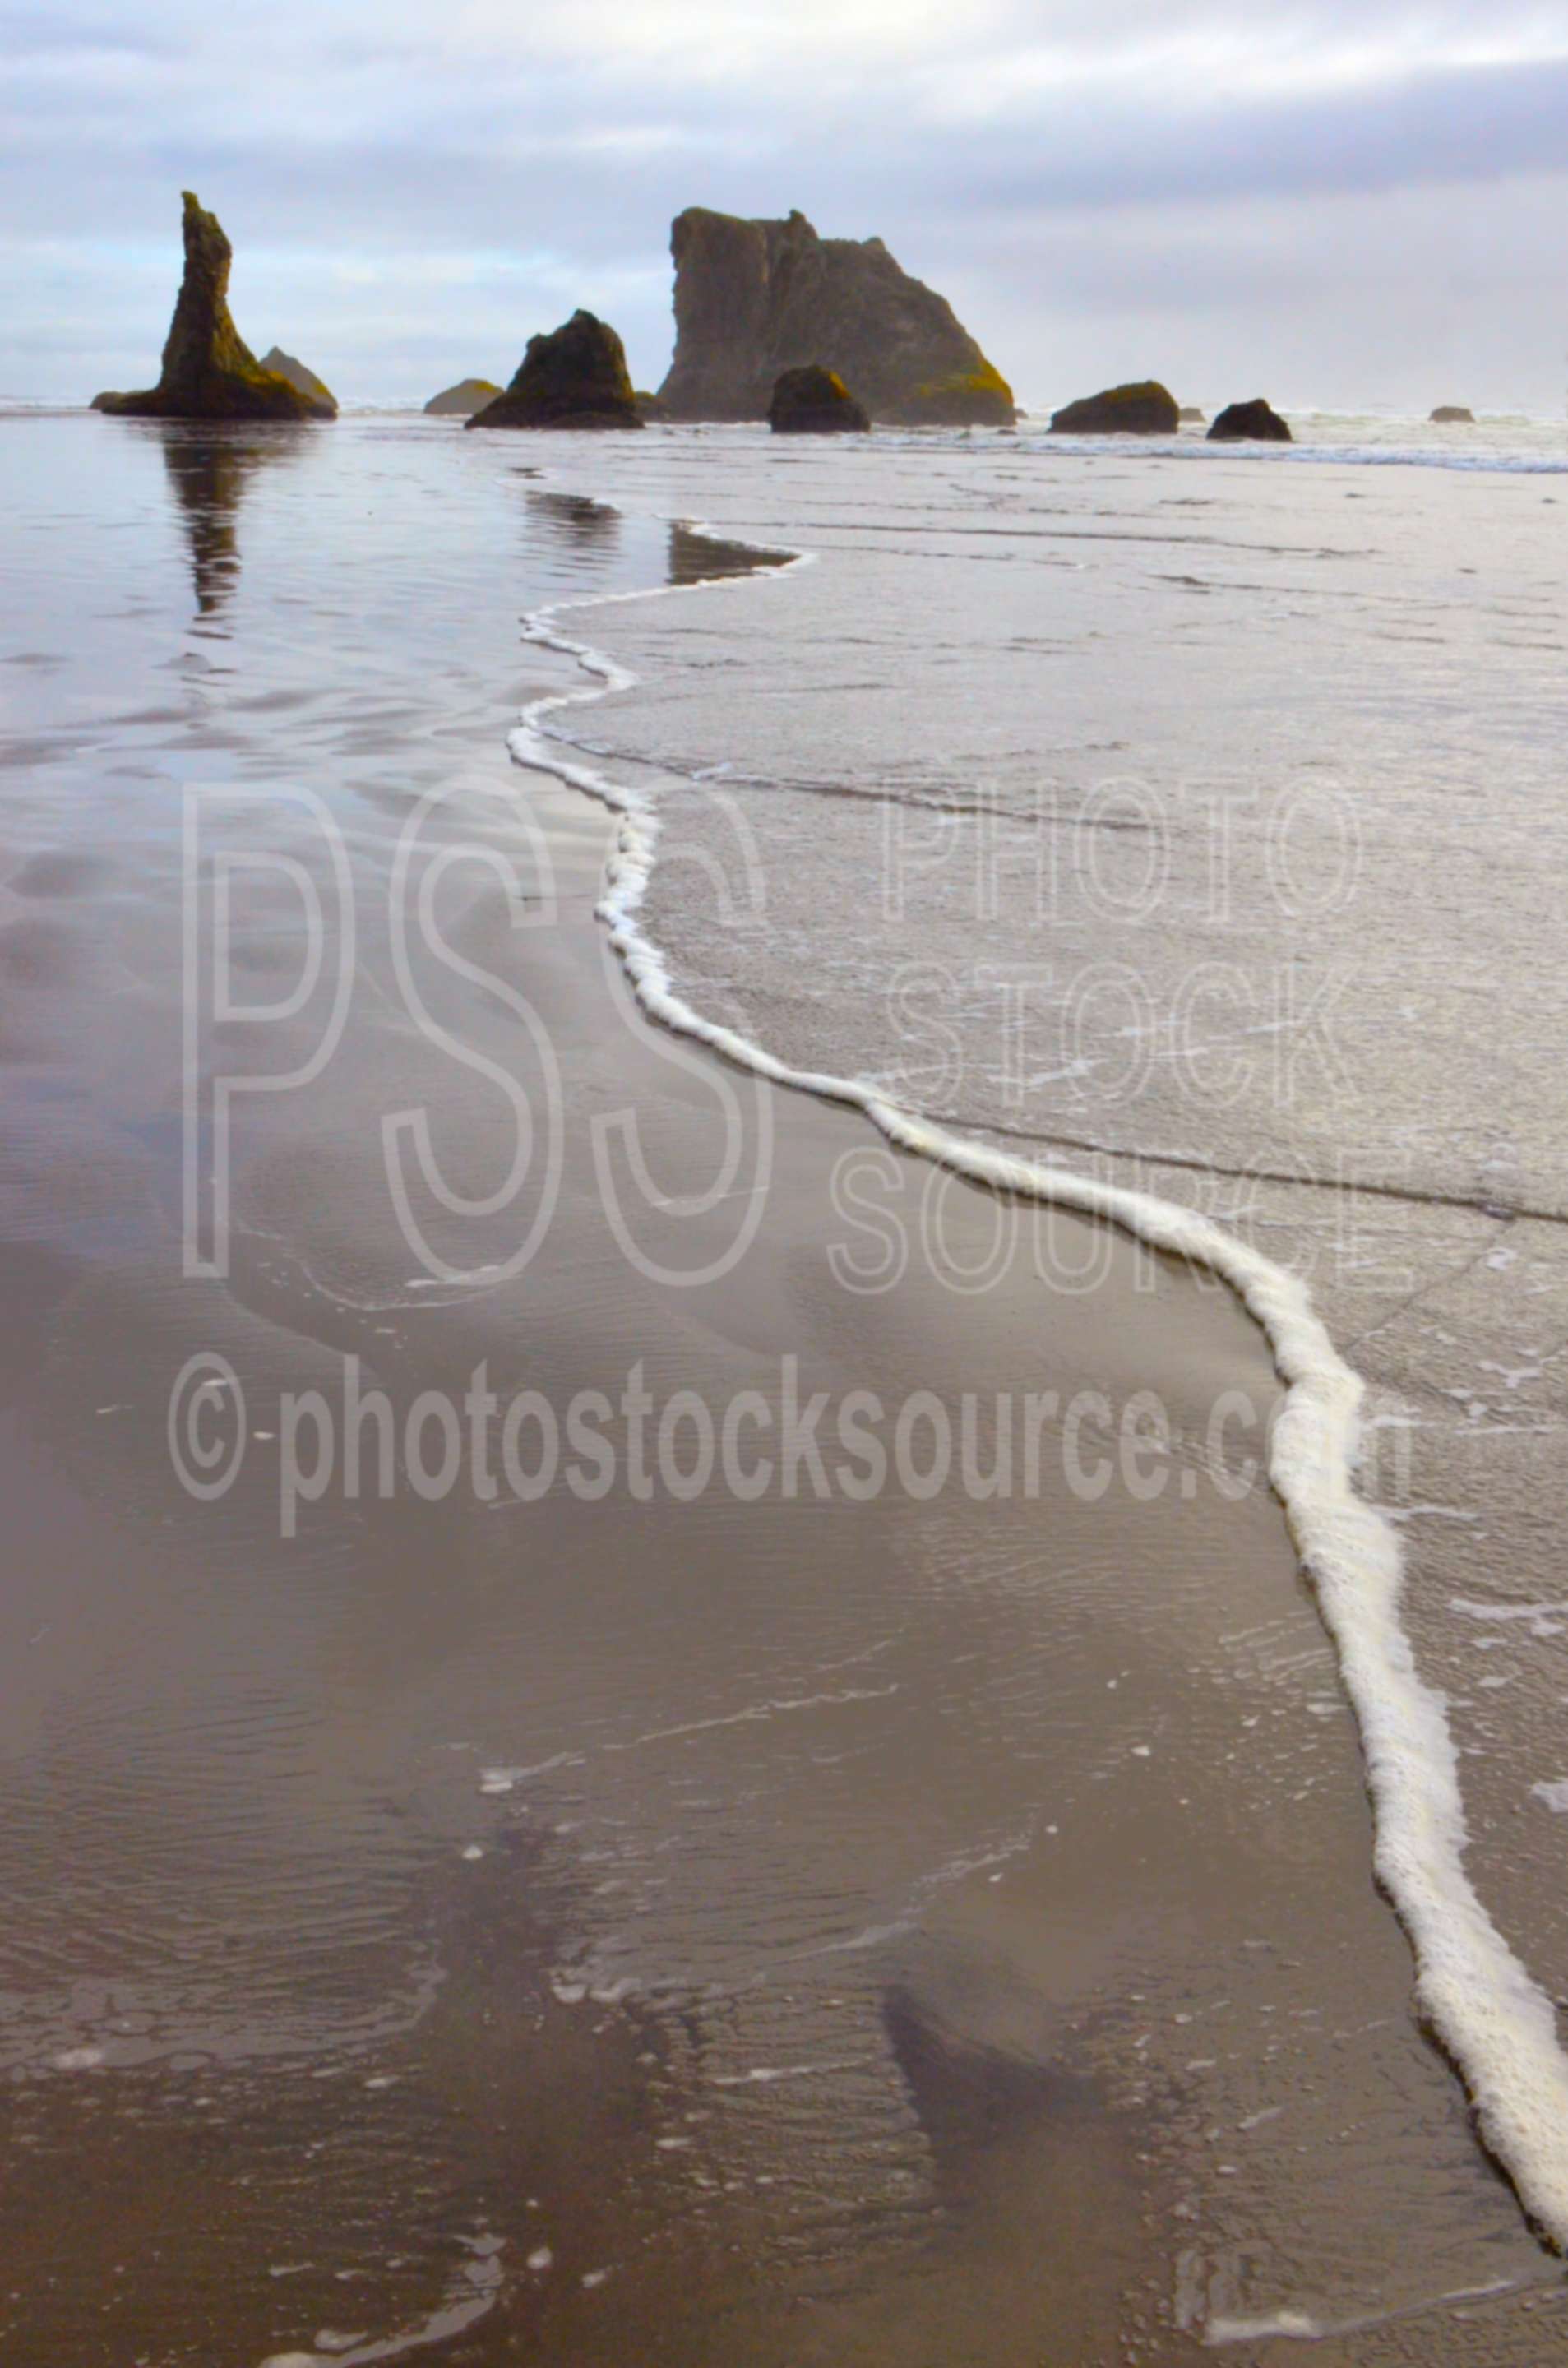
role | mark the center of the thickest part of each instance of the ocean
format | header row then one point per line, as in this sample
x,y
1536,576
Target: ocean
x,y
1048,946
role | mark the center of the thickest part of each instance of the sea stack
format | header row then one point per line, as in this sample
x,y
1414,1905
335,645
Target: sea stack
x,y
208,370
755,299
1142,408
1451,414
1252,421
304,380
1190,414
460,402
575,377
812,401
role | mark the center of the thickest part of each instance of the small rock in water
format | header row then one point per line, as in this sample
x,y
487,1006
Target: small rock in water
x,y
304,380
1142,408
461,401
812,401
1252,421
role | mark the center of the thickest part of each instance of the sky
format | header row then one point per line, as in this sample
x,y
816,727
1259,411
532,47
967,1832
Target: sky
x,y
1336,204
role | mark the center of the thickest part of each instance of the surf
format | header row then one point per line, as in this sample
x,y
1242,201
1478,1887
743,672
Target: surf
x,y
1480,2003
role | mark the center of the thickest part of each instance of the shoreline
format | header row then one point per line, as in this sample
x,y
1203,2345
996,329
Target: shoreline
x,y
795,1918
1350,1552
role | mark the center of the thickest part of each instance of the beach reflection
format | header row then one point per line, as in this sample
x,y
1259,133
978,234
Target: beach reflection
x,y
209,471
696,558
579,527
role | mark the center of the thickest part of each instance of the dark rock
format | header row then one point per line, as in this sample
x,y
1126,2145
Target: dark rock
x,y
977,398
208,370
575,377
304,380
755,299
1189,411
812,401
1251,422
1144,408
1452,414
651,406
460,402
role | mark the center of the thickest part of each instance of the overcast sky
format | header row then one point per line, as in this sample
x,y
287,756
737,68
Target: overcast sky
x,y
1327,202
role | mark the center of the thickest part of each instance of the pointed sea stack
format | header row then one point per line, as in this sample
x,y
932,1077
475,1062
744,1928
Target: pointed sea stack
x,y
461,401
755,299
575,377
1143,408
208,370
1252,423
304,380
814,402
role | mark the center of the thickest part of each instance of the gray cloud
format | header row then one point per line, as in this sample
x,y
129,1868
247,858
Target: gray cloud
x,y
1449,127
1328,193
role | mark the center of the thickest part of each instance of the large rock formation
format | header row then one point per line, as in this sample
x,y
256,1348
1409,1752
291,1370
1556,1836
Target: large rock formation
x,y
461,401
208,370
1452,414
304,380
1143,408
812,401
1252,422
575,377
754,299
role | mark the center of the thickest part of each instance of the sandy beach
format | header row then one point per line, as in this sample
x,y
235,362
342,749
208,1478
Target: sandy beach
x,y
658,1882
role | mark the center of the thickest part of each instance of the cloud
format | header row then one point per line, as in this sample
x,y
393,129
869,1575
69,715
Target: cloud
x,y
413,192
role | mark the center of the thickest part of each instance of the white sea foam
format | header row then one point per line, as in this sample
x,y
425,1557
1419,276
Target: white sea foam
x,y
1534,446
1541,1619
1223,2328
472,2295
506,1780
1311,450
1494,2021
765,2076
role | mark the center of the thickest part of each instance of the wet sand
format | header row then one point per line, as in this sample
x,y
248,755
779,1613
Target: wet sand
x,y
912,1930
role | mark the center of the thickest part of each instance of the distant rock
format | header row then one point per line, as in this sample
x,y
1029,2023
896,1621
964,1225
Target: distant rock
x,y
977,398
575,377
755,299
304,380
1143,408
1451,414
812,401
651,406
209,371
1252,422
469,395
1191,412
